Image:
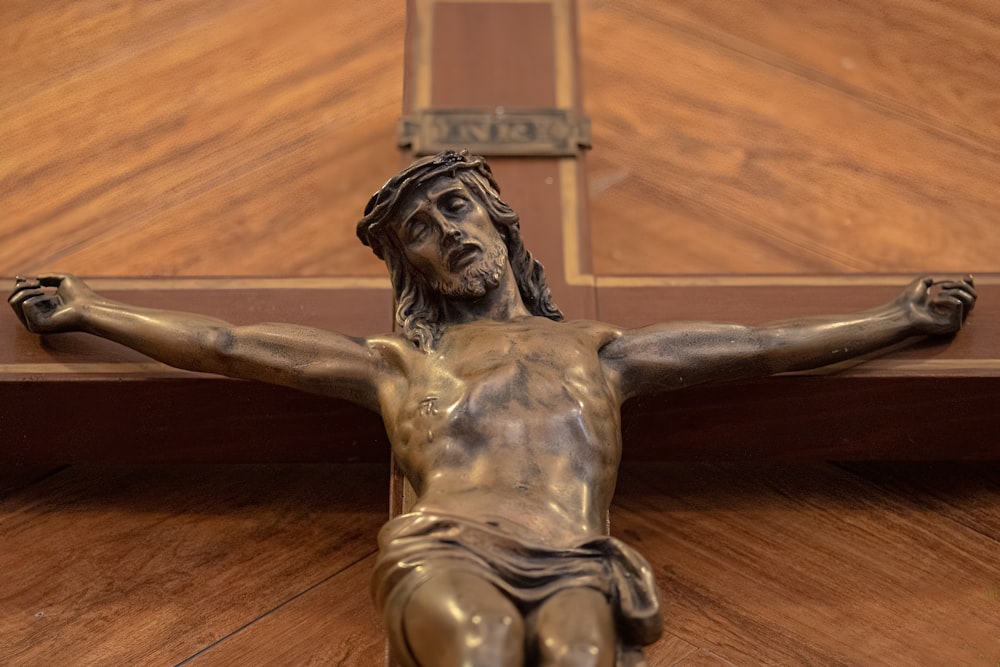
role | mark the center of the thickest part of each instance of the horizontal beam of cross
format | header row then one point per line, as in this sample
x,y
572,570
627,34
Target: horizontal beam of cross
x,y
72,397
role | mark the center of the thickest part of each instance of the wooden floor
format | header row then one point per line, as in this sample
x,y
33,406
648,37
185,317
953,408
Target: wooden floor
x,y
242,138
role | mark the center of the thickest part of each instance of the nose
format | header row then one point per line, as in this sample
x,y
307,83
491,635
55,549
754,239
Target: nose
x,y
451,231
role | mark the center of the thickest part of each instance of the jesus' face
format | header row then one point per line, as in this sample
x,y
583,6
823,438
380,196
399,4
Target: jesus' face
x,y
446,234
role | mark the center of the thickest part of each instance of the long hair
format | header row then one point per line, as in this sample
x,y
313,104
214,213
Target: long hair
x,y
419,308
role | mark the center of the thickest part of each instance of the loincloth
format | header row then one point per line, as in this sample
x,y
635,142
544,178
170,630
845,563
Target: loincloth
x,y
413,547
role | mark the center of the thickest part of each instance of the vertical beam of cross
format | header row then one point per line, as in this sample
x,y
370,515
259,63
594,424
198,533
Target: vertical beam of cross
x,y
502,58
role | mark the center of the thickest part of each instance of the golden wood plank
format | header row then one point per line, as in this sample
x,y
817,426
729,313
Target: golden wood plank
x,y
932,62
243,138
708,155
195,138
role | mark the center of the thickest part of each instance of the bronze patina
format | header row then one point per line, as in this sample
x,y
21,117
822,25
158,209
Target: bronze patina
x,y
504,418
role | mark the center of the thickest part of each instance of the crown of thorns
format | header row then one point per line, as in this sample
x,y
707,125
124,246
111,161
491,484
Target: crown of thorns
x,y
386,201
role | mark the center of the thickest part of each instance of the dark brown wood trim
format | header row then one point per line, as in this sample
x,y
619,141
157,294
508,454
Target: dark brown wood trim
x,y
74,398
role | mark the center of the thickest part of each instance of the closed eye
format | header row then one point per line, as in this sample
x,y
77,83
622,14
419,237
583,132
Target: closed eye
x,y
455,204
416,230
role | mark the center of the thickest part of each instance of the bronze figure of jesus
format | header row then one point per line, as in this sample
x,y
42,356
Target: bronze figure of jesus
x,y
504,418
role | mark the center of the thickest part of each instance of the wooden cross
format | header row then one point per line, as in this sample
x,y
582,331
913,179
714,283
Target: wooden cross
x,y
922,402
925,401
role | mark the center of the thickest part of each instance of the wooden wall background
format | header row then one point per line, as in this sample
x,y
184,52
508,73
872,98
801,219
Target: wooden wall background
x,y
243,138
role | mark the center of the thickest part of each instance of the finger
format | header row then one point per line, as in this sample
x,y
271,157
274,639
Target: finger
x,y
968,300
22,283
919,288
29,300
959,286
22,295
971,289
964,296
947,305
967,279
20,315
954,284
41,308
41,299
17,301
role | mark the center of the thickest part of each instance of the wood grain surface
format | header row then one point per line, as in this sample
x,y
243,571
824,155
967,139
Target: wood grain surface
x,y
866,564
148,566
193,138
243,138
332,623
793,137
821,565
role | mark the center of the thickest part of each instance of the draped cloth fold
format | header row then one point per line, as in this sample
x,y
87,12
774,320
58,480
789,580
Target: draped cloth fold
x,y
412,547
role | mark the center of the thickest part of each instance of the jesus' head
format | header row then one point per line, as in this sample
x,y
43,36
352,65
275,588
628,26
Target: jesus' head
x,y
444,233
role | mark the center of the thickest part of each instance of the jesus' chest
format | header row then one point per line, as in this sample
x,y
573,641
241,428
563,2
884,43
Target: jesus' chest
x,y
518,371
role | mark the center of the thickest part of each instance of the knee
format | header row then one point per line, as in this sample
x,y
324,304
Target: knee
x,y
463,623
580,653
575,628
479,638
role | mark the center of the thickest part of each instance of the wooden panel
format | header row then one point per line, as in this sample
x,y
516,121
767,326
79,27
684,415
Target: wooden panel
x,y
332,623
124,565
16,477
810,565
473,64
818,419
140,418
933,61
195,138
966,494
723,140
759,564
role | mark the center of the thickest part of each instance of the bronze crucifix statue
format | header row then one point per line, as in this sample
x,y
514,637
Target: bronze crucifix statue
x,y
504,418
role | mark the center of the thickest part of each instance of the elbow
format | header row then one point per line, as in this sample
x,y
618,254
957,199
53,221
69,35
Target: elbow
x,y
218,344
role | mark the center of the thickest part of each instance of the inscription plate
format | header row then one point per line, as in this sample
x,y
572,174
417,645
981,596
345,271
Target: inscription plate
x,y
547,132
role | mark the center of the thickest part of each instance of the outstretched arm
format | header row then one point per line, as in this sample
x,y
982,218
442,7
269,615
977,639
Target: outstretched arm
x,y
670,356
285,354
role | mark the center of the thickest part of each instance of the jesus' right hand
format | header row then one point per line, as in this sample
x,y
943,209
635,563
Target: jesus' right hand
x,y
43,309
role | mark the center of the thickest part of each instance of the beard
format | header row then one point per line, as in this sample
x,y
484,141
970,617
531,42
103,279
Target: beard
x,y
476,279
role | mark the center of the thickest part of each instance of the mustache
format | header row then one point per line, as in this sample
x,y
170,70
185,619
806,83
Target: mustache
x,y
460,254
474,279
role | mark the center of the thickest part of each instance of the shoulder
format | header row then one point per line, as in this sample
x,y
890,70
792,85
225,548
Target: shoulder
x,y
602,334
390,347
